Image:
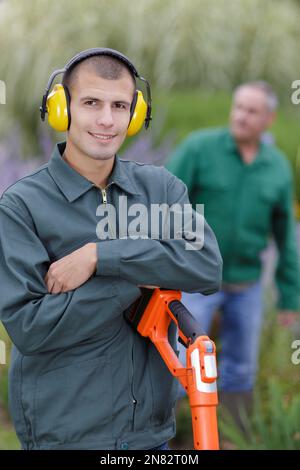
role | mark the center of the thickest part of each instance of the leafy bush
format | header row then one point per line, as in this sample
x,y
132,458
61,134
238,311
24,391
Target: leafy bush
x,y
274,424
176,44
276,416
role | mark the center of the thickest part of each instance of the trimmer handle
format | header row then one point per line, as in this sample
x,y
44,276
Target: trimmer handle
x,y
186,323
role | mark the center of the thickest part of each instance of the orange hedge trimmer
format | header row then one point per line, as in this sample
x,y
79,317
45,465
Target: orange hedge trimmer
x,y
151,315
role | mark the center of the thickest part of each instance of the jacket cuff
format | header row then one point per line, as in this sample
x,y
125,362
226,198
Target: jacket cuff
x,y
108,258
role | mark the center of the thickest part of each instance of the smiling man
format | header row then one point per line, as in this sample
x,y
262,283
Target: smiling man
x,y
80,376
102,91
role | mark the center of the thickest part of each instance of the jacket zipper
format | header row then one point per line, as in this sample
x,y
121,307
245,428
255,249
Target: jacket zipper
x,y
104,196
134,401
104,201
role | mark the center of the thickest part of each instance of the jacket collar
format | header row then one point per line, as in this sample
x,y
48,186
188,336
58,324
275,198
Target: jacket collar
x,y
72,184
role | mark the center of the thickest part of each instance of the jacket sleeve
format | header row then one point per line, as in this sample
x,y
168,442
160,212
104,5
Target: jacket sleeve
x,y
37,321
287,271
165,262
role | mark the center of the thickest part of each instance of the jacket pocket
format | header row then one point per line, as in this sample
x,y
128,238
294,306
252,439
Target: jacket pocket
x,y
164,389
74,403
268,196
213,183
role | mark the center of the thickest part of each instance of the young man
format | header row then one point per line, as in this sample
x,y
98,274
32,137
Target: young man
x,y
81,377
246,188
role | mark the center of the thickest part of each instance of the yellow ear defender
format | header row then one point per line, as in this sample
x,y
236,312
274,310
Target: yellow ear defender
x,y
56,103
138,114
57,109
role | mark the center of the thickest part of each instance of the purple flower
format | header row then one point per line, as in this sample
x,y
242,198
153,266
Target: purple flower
x,y
13,166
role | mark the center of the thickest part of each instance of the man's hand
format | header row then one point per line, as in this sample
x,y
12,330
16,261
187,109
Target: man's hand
x,y
287,318
72,270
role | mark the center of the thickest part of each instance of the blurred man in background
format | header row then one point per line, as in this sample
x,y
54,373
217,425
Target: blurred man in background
x,y
246,188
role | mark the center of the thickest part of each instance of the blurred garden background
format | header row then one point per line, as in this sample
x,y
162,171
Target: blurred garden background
x,y
194,52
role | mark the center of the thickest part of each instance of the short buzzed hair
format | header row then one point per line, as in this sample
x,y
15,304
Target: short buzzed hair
x,y
265,87
104,66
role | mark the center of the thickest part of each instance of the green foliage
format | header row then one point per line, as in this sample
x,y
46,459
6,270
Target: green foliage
x,y
4,369
193,44
273,426
8,440
187,111
276,416
297,176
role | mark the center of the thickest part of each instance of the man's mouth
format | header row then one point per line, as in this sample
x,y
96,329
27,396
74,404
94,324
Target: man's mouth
x,y
103,137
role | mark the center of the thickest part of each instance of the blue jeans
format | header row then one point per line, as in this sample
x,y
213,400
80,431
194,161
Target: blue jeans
x,y
241,322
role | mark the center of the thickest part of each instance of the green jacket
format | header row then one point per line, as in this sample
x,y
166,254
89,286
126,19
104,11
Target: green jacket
x,y
243,204
80,377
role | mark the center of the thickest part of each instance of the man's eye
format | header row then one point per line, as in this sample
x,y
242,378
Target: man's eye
x,y
120,105
90,102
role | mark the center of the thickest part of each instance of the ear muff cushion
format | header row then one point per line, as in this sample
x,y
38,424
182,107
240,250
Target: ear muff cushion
x,y
138,114
133,104
57,108
68,101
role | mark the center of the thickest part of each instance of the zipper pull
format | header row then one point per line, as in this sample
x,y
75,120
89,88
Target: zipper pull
x,y
104,198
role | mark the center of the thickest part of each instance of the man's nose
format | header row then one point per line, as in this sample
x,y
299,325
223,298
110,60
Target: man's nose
x,y
105,117
240,114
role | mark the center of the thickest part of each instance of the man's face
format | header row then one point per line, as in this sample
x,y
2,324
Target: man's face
x,y
249,116
100,113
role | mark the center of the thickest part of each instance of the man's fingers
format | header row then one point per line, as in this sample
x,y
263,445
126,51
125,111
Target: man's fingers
x,y
55,288
49,282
